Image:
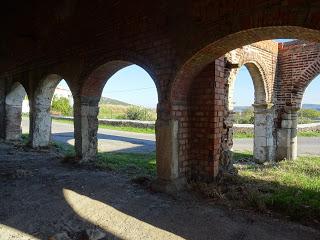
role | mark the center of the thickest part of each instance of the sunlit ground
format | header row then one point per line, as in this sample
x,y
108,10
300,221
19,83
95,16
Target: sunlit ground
x,y
112,220
7,232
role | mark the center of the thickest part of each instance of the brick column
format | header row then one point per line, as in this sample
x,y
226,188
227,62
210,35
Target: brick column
x,y
86,112
287,135
263,149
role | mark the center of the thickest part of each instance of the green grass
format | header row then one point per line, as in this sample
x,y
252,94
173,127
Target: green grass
x,y
128,129
242,135
134,164
300,134
119,128
290,187
309,134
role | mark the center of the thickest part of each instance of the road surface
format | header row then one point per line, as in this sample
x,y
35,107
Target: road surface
x,y
112,140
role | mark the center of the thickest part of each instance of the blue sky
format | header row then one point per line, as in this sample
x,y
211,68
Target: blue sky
x,y
244,91
134,85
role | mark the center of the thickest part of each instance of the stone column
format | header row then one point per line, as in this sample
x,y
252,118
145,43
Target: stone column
x,y
40,122
167,149
86,127
2,108
167,154
13,122
263,149
287,135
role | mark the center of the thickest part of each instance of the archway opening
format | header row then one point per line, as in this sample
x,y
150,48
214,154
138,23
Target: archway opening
x,y
61,111
205,152
16,106
127,113
243,111
309,120
51,115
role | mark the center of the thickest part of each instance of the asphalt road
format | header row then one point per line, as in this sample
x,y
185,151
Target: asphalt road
x,y
112,140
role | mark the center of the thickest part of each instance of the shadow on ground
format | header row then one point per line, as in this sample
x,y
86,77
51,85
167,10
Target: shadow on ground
x,y
46,197
132,145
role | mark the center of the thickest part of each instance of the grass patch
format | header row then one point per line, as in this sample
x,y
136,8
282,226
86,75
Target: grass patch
x,y
309,134
134,164
242,135
300,134
66,149
289,187
25,138
128,129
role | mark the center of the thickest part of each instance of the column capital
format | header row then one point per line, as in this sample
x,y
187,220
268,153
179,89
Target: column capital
x,y
262,105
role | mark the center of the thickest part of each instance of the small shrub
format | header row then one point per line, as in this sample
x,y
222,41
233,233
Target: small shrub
x,y
139,113
244,117
61,106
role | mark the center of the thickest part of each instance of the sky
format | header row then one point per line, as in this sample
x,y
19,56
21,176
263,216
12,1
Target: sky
x,y
244,91
134,85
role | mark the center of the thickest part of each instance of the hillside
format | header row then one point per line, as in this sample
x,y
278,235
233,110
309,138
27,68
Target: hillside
x,y
311,106
106,100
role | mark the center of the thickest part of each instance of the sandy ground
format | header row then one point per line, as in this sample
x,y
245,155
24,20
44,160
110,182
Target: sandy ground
x,y
40,197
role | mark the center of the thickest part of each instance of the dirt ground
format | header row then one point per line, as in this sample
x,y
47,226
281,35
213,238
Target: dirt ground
x,y
42,197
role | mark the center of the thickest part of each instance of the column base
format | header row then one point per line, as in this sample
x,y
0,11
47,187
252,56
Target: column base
x,y
171,187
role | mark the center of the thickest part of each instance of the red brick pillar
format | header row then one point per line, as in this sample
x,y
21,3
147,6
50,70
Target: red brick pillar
x,y
206,107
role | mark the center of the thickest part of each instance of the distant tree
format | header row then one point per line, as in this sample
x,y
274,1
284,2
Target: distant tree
x,y
245,117
61,106
309,113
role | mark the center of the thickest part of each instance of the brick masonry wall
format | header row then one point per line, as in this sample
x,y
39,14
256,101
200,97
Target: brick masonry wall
x,y
260,58
298,65
201,123
176,42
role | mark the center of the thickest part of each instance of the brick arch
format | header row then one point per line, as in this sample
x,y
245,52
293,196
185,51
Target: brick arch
x,y
259,78
47,86
40,119
13,108
101,69
16,94
205,55
260,83
261,73
305,79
